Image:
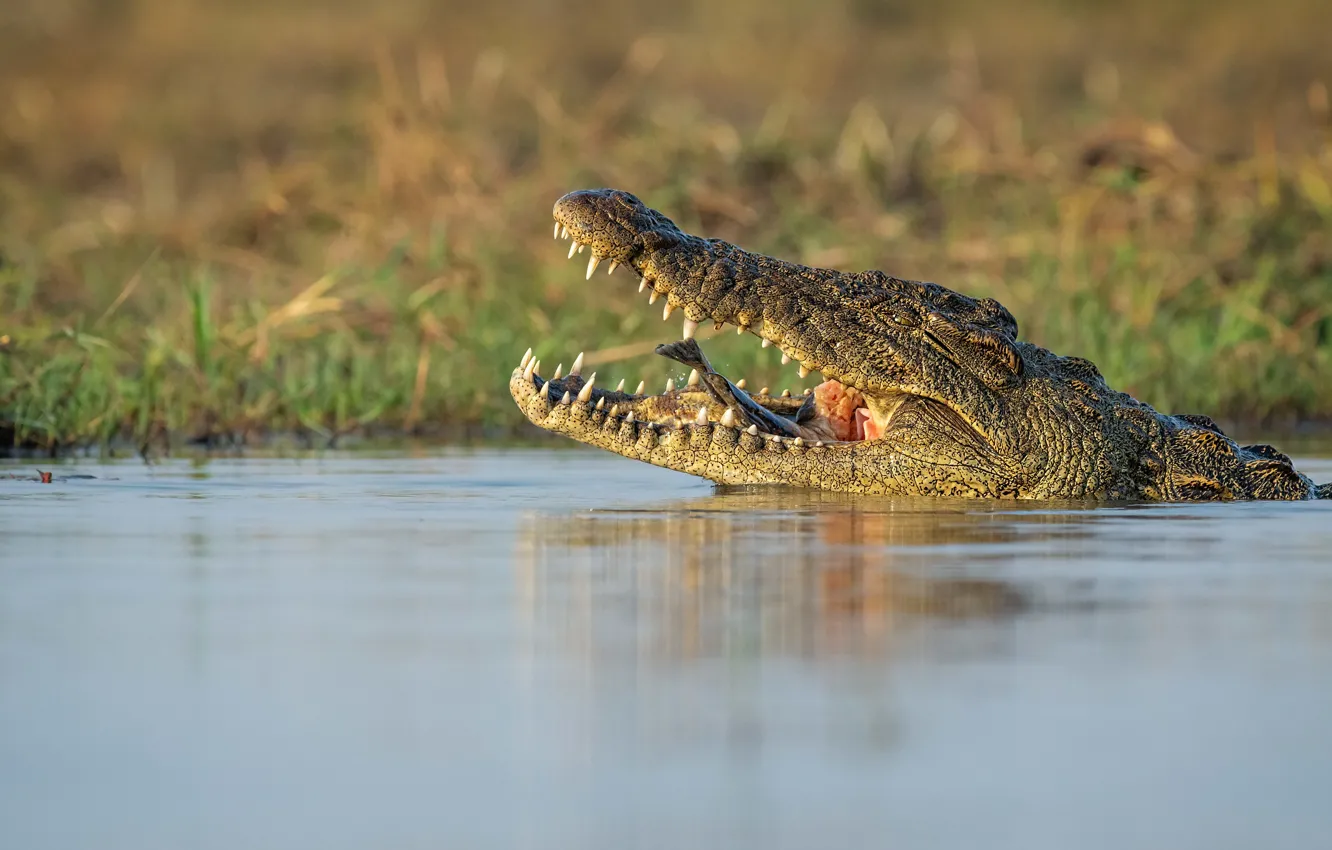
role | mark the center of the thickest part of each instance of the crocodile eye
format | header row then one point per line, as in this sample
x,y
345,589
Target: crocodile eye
x,y
904,320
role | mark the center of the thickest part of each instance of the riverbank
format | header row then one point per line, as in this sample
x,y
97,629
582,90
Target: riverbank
x,y
366,245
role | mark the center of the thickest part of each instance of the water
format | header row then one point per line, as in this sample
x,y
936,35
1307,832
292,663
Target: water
x,y
564,649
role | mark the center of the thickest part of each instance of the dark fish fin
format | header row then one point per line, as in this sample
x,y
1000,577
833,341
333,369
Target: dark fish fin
x,y
688,352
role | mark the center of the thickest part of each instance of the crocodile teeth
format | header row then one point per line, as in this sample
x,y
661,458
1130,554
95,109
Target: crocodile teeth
x,y
601,402
565,400
642,284
530,369
752,430
666,311
764,344
763,391
592,263
559,371
670,385
819,444
728,418
613,266
786,393
615,410
564,232
642,385
585,394
803,371
619,388
573,249
702,417
557,230
580,248
786,358
652,299
739,329
740,384
799,441
630,417
577,366
527,358
689,327
693,377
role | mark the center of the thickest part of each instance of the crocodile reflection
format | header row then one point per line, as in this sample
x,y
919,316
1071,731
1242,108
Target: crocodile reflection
x,y
829,574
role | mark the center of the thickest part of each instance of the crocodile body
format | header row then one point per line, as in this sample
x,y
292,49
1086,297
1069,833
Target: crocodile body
x,y
926,391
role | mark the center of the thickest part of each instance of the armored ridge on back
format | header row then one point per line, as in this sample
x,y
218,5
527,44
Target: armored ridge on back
x,y
927,392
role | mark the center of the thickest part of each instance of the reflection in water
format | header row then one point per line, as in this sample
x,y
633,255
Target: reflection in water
x,y
805,573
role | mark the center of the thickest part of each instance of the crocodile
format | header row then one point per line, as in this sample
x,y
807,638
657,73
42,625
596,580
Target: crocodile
x,y
925,391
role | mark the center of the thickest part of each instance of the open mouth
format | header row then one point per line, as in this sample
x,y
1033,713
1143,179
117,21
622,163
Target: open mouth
x,y
831,412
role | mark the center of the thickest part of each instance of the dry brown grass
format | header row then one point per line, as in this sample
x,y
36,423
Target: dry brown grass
x,y
227,217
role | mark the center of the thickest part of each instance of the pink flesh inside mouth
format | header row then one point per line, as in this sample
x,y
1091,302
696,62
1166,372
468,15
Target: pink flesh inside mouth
x,y
845,412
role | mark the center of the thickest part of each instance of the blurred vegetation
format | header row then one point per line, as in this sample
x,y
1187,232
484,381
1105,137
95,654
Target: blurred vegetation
x,y
221,219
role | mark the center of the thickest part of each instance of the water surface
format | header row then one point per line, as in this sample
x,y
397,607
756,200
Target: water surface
x,y
558,649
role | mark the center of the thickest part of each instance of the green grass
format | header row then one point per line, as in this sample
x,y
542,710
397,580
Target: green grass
x,y
375,255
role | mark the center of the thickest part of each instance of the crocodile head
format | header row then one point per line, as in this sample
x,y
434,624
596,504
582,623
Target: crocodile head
x,y
925,391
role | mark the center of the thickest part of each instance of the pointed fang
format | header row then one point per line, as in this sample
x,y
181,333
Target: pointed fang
x,y
527,358
557,230
666,311
764,344
585,394
652,299
693,377
728,418
601,402
565,400
592,263
752,430
740,384
613,266
642,284
559,372
689,327
573,249
786,358
619,388
670,385
577,366
642,385
702,417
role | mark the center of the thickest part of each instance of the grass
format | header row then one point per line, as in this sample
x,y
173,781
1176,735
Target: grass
x,y
325,225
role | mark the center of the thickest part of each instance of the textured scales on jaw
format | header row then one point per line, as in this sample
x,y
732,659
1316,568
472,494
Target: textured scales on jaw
x,y
935,390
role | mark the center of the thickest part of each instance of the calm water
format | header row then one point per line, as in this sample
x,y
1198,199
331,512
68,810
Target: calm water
x,y
563,649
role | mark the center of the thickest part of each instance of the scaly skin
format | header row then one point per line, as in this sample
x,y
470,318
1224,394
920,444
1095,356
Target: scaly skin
x,y
965,407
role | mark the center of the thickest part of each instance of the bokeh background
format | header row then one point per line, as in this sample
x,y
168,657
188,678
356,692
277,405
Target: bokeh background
x,y
221,221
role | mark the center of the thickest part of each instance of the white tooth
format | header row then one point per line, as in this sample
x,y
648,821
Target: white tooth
x,y
577,366
559,370
786,393
670,385
630,417
689,327
580,248
728,418
740,384
619,388
642,385
601,403
592,263
642,284
799,441
615,410
803,371
573,248
666,311
739,329
752,430
531,368
557,230
764,344
565,400
693,377
564,232
819,444
613,266
807,391
585,394
652,299
527,358
702,417
763,391
786,358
